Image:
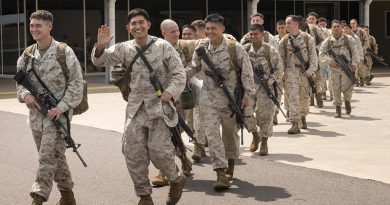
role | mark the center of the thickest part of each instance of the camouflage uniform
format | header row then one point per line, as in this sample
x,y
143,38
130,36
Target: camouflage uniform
x,y
146,137
374,47
281,82
365,43
326,70
268,38
298,87
49,141
340,81
213,108
361,67
266,107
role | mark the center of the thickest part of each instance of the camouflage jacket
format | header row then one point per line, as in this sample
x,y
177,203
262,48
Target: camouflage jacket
x,y
47,67
268,38
211,95
340,47
164,60
291,62
364,38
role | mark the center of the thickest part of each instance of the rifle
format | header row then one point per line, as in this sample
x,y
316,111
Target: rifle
x,y
304,65
47,101
376,57
342,61
217,76
175,131
259,71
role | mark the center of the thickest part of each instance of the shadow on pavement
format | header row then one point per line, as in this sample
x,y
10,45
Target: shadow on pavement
x,y
287,157
285,134
364,91
363,118
322,133
259,193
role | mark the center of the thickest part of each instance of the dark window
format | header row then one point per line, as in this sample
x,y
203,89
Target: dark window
x,y
387,21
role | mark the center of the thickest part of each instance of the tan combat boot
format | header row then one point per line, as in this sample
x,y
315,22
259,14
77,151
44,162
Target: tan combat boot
x,y
222,182
264,147
348,108
361,82
37,199
186,168
338,112
294,128
304,123
275,120
288,116
197,154
319,100
311,100
67,198
175,190
255,142
230,169
160,180
368,81
146,200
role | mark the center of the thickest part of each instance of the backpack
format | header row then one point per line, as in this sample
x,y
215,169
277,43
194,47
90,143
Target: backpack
x,y
346,43
284,41
267,53
61,58
231,50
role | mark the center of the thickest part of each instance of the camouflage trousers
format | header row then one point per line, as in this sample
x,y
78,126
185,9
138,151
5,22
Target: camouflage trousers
x,y
199,131
285,96
319,80
52,163
341,84
369,64
220,148
362,70
146,140
299,91
264,113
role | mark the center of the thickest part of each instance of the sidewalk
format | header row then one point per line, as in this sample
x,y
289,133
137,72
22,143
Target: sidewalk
x,y
356,145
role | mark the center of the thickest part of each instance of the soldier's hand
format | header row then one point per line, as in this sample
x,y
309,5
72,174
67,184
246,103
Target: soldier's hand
x,y
55,113
30,102
245,102
104,37
307,74
334,65
166,96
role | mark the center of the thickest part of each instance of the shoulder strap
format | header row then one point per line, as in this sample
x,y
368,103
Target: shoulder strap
x,y
247,47
306,39
27,53
186,50
232,53
267,55
266,36
143,49
61,58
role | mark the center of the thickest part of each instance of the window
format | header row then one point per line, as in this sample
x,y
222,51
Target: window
x,y
387,21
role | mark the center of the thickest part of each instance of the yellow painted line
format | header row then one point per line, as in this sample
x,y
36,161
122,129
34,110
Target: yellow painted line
x,y
7,93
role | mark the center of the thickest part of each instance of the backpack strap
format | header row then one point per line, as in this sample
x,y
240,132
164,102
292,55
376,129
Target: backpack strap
x,y
267,52
232,53
61,58
27,53
266,36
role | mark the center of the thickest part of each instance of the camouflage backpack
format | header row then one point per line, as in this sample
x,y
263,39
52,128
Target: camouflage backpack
x,y
61,58
267,53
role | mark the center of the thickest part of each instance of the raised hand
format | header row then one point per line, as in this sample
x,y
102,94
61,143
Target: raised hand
x,y
104,36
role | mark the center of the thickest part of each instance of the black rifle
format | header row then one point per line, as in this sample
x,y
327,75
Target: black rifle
x,y
175,131
259,72
304,65
239,95
47,101
376,57
217,76
342,61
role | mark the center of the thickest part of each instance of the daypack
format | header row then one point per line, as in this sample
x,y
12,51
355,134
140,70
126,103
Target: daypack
x,y
231,50
267,53
61,58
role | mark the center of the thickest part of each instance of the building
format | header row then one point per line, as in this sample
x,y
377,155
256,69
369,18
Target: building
x,y
76,21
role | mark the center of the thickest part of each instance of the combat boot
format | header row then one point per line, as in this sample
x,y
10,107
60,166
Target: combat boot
x,y
275,120
371,77
324,96
338,112
312,100
264,146
255,142
146,200
331,96
160,180
361,82
67,198
197,154
320,103
288,116
368,81
186,168
348,108
222,182
230,169
37,199
304,123
175,190
294,128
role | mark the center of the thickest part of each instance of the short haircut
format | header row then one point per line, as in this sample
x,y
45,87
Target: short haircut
x,y
137,12
254,27
296,18
189,26
257,14
281,23
313,14
336,21
215,18
198,24
42,15
347,25
322,19
365,26
355,20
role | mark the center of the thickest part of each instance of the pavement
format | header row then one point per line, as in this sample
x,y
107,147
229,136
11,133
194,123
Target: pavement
x,y
335,161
